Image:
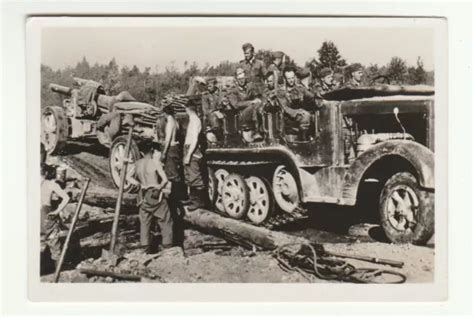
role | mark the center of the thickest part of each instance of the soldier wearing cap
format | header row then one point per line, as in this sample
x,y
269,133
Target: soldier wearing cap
x,y
293,98
277,65
304,77
245,97
338,80
254,68
212,108
325,82
355,74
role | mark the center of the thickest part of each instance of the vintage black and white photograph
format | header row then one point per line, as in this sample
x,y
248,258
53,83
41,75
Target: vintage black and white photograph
x,y
238,150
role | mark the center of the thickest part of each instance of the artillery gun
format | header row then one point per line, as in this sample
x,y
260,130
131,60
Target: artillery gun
x,y
87,112
371,144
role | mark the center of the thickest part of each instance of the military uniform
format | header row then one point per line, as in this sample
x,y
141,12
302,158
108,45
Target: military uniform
x,y
246,99
293,100
352,84
320,89
211,106
254,70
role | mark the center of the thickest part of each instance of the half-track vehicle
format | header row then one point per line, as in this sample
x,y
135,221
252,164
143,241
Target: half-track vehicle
x,y
373,143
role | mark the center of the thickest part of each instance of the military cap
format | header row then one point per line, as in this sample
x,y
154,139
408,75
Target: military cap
x,y
325,72
246,46
354,67
303,73
277,54
211,80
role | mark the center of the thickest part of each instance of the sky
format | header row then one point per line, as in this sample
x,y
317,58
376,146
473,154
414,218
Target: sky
x,y
161,46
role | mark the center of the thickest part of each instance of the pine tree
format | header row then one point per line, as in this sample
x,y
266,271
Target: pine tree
x,y
397,70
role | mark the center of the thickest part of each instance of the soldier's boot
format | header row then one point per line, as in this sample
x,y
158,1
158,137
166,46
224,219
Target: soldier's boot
x,y
195,198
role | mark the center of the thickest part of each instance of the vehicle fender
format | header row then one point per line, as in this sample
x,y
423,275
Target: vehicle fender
x,y
419,156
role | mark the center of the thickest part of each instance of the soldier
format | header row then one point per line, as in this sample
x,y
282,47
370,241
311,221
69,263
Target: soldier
x,y
276,66
254,68
212,109
304,77
355,75
149,175
292,98
170,155
51,220
338,80
244,96
325,82
192,160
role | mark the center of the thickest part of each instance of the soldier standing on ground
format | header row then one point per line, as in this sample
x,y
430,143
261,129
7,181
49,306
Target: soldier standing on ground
x,y
149,175
170,155
192,160
355,75
325,83
51,220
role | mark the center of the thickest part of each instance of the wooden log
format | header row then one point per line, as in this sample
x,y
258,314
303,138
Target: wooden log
x,y
240,232
105,198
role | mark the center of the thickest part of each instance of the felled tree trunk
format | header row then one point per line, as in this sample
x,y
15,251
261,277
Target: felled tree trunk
x,y
106,198
240,232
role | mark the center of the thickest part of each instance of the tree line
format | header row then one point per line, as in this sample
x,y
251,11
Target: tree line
x,y
151,85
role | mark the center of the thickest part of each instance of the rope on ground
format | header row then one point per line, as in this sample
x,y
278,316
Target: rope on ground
x,y
310,264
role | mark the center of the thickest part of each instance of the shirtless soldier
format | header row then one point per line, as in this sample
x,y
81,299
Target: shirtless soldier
x,y
192,160
148,174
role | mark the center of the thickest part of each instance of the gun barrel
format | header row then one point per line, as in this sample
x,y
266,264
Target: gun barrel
x,y
60,89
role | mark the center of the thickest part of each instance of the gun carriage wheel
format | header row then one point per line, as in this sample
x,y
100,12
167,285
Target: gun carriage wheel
x,y
406,210
235,196
116,156
54,128
285,189
261,200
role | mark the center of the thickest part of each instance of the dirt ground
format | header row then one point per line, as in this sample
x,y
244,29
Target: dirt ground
x,y
206,258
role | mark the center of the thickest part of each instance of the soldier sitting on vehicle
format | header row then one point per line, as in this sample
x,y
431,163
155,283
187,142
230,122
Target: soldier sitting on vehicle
x,y
355,74
293,98
325,83
245,97
254,68
276,67
212,109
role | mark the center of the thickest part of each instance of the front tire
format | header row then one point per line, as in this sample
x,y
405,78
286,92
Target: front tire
x,y
406,210
54,128
115,160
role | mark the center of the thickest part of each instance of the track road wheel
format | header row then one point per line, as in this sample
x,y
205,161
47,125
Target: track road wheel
x,y
54,128
116,155
235,196
285,189
261,200
406,211
212,186
219,177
